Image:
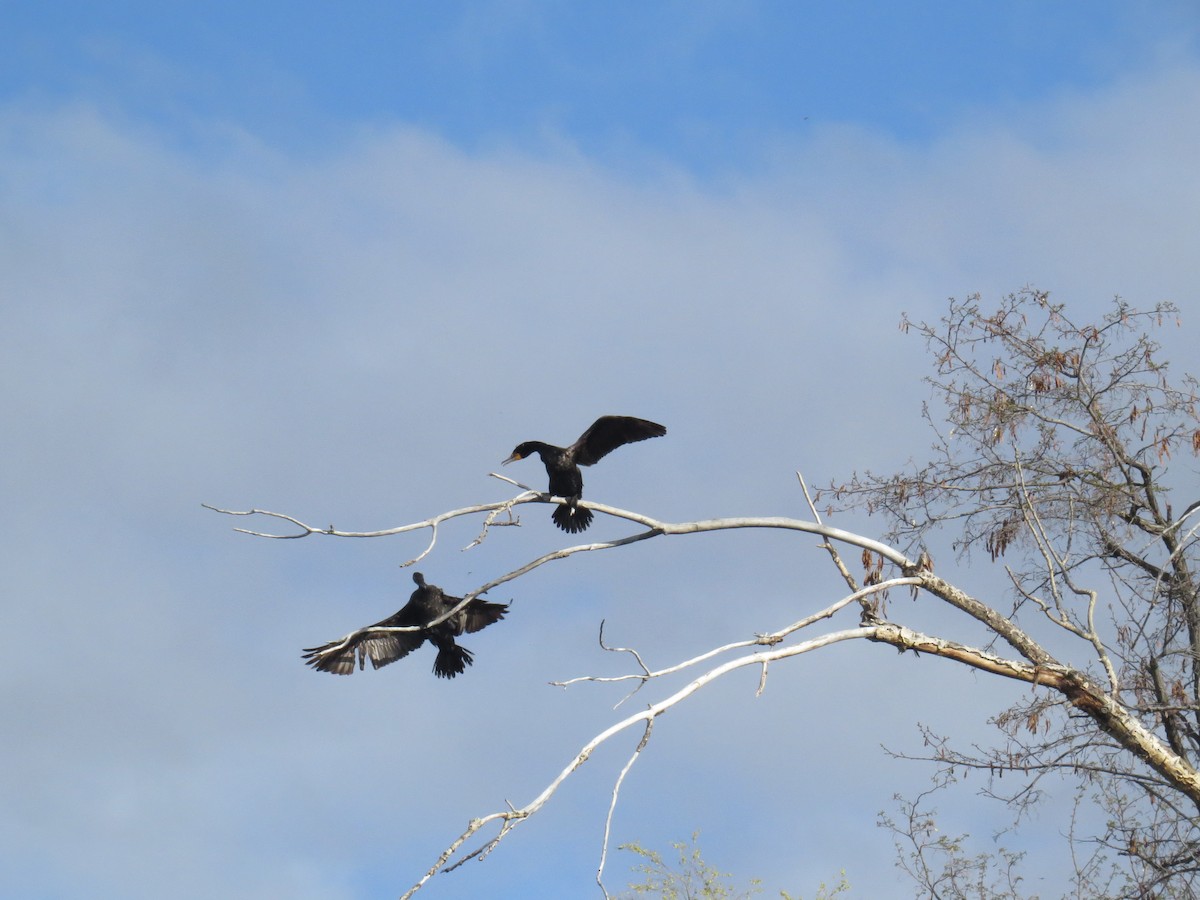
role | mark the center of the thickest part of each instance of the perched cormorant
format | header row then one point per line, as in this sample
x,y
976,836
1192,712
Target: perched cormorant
x,y
562,463
427,602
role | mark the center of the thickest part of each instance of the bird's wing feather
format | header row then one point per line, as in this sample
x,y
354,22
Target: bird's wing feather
x,y
480,614
337,657
380,647
608,433
383,648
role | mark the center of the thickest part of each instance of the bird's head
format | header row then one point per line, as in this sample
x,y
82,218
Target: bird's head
x,y
419,579
521,451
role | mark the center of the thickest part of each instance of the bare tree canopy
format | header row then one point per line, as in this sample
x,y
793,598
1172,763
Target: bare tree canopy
x,y
1052,457
1056,461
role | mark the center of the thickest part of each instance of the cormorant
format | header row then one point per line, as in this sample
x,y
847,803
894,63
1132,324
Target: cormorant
x,y
427,602
562,463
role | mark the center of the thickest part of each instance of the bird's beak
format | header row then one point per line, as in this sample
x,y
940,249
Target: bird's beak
x,y
513,458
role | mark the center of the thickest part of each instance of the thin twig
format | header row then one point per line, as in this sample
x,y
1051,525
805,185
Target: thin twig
x,y
834,555
770,639
612,804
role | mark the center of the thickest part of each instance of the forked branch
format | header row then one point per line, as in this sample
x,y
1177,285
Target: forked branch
x,y
511,817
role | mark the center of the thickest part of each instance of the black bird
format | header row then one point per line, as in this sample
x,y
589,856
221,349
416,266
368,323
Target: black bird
x,y
427,602
562,463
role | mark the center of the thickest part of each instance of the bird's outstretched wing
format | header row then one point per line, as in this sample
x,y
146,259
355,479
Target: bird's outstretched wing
x,y
479,614
380,647
608,433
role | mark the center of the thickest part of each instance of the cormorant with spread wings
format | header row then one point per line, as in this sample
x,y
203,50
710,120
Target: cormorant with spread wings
x,y
605,435
382,646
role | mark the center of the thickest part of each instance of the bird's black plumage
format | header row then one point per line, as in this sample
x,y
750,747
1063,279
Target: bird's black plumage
x,y
381,647
605,435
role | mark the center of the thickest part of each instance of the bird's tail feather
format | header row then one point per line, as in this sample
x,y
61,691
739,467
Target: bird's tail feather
x,y
451,660
572,519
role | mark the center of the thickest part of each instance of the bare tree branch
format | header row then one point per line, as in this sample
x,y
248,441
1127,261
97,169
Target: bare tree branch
x,y
510,818
768,639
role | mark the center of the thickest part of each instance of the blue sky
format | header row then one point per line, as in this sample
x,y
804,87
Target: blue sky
x,y
338,261
701,84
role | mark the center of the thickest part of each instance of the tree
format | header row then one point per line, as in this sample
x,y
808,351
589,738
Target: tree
x,y
693,878
1055,461
940,863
